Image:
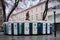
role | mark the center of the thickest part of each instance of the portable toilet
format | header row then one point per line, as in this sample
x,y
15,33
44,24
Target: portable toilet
x,y
22,28
48,28
44,27
39,27
26,28
34,27
30,28
15,28
5,25
51,26
19,28
9,28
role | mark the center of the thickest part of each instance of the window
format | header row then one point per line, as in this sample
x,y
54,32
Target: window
x,y
31,17
58,16
36,10
50,17
36,16
57,6
39,0
33,0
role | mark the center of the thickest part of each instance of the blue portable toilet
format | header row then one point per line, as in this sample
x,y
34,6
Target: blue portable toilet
x,y
19,28
39,27
9,28
34,28
26,28
22,28
15,28
30,28
5,25
48,28
51,26
44,27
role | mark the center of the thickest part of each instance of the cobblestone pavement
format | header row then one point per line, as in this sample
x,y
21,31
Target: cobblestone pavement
x,y
39,37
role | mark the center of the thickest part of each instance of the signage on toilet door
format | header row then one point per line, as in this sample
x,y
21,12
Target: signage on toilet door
x,y
9,28
26,29
34,28
15,28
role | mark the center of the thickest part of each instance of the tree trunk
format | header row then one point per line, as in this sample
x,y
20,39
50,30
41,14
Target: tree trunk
x,y
3,7
45,11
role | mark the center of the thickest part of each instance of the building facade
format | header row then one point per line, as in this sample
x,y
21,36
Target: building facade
x,y
35,13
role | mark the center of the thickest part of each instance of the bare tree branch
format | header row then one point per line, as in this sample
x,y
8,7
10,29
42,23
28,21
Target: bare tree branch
x,y
45,11
15,5
4,7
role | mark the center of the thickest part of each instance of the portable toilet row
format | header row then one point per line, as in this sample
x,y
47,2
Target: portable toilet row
x,y
27,28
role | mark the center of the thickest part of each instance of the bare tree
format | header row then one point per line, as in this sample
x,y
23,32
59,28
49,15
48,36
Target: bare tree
x,y
45,11
4,7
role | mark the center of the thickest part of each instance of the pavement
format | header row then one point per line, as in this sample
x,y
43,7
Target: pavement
x,y
37,37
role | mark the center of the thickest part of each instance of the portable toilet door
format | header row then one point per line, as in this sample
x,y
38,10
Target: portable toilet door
x,y
51,26
40,28
30,28
22,28
9,28
34,28
19,28
5,28
26,28
15,29
48,28
44,27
